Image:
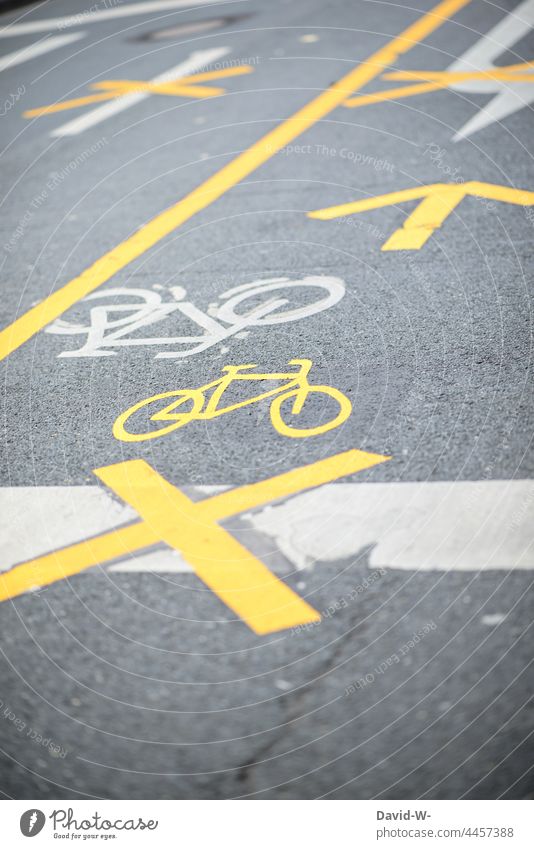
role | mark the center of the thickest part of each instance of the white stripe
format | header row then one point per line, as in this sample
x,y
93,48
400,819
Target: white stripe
x,y
146,8
460,525
199,59
37,519
37,49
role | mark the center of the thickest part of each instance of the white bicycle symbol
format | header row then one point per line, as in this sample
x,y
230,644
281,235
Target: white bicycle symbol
x,y
112,326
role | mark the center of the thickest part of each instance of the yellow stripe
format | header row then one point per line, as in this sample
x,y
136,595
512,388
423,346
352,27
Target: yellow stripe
x,y
433,81
393,94
504,194
67,104
214,187
446,77
205,76
377,202
243,498
69,561
174,89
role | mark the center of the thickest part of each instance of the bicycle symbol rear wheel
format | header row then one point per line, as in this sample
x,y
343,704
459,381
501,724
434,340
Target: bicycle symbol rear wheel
x,y
345,409
168,413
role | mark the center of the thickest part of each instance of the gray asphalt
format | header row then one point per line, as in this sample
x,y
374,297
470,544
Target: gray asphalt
x,y
147,683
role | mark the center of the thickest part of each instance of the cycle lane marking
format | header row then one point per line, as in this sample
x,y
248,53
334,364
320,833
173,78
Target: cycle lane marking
x,y
421,526
219,323
89,17
35,319
238,578
437,202
296,387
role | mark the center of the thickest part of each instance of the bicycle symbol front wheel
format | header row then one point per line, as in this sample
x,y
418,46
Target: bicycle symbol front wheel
x,y
345,409
167,414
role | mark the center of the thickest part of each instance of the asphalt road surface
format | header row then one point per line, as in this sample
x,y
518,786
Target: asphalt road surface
x,y
358,630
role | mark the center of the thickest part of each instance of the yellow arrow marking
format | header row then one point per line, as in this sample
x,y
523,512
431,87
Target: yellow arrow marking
x,y
182,87
240,580
217,185
438,201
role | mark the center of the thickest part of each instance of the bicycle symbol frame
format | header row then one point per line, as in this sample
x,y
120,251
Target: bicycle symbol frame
x,y
296,387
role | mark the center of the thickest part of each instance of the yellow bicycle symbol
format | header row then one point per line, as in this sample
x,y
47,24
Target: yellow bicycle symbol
x,y
190,404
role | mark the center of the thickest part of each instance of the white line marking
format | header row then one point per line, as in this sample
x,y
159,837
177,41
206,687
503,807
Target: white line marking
x,y
459,525
197,60
43,518
37,49
88,17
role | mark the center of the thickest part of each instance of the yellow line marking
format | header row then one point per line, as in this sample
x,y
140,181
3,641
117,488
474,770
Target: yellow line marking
x,y
66,562
240,580
512,73
182,87
438,201
23,328
67,104
438,80
392,94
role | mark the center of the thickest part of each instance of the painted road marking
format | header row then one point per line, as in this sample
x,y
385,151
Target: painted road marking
x,y
509,96
17,57
96,15
110,326
180,81
440,80
178,85
459,525
475,72
439,200
244,583
437,525
23,328
189,405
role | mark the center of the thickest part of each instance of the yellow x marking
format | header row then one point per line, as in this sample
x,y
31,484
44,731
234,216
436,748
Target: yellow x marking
x,y
240,580
111,89
438,201
436,80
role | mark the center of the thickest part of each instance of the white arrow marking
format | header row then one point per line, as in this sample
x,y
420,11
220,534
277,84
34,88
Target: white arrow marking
x,y
88,17
197,60
449,525
510,97
37,49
